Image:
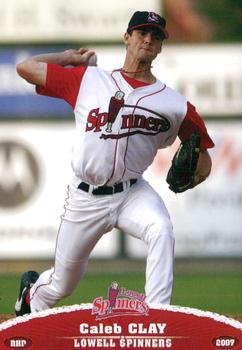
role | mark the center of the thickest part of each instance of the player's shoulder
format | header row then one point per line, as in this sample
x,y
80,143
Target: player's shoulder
x,y
98,73
85,68
97,70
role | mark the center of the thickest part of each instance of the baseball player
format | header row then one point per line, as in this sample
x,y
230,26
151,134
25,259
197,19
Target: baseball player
x,y
123,117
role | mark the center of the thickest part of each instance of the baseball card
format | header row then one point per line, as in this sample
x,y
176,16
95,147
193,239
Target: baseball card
x,y
120,179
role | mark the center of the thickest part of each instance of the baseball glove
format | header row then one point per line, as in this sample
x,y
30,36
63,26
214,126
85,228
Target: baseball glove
x,y
180,176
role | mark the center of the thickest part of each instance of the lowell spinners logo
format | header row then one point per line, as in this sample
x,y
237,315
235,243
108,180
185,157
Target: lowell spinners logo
x,y
120,302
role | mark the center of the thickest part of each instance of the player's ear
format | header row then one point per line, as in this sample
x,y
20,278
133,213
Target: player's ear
x,y
126,38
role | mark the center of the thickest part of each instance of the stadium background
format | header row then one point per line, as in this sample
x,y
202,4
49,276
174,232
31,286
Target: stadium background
x,y
202,59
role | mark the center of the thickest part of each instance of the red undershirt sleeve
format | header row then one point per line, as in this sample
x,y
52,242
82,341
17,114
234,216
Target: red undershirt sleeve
x,y
62,83
193,123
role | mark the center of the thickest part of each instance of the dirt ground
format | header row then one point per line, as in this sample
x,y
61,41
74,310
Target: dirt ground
x,y
5,317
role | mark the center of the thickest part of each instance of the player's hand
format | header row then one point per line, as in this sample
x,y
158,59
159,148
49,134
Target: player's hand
x,y
78,57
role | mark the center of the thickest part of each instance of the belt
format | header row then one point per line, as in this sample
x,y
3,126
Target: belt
x,y
102,190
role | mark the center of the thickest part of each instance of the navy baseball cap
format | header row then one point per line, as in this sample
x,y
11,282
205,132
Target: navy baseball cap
x,y
141,19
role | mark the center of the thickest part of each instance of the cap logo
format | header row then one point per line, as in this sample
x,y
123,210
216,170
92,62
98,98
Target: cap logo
x,y
153,17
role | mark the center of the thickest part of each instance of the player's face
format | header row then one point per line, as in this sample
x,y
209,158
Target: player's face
x,y
143,44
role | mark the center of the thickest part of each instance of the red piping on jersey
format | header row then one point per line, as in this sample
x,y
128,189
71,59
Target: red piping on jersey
x,y
127,142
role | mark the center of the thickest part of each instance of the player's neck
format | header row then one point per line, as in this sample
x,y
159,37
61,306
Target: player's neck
x,y
139,71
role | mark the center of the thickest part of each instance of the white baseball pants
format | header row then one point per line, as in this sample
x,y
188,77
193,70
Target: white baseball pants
x,y
138,211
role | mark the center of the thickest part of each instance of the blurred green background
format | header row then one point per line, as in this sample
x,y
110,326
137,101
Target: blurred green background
x,y
204,20
226,18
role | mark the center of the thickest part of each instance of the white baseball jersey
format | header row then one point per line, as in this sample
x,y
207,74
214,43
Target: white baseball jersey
x,y
149,119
